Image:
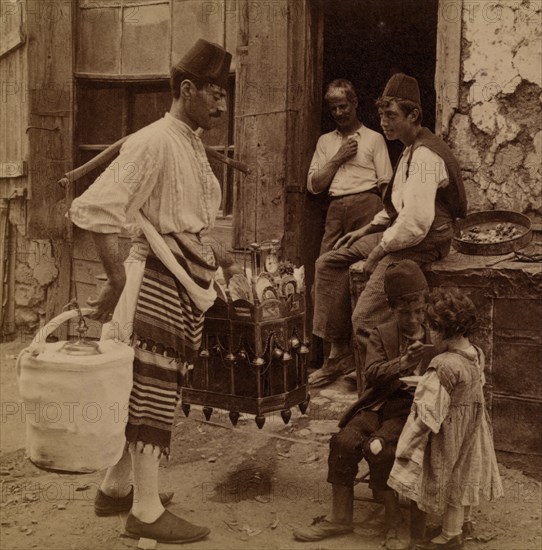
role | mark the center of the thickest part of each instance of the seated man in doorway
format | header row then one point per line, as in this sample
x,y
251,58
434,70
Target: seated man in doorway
x,y
423,199
371,428
352,165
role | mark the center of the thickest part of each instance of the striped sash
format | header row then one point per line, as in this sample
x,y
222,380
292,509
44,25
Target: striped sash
x,y
167,334
165,318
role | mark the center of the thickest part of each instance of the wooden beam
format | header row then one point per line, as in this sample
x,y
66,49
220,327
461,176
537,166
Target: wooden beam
x,y
59,293
93,4
104,77
110,151
448,63
7,253
12,41
261,136
278,106
50,71
15,36
305,74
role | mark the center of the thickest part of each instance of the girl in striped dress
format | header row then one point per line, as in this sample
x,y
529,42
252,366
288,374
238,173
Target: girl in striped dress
x,y
445,456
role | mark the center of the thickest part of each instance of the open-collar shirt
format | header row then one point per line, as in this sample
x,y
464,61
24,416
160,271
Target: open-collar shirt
x,y
161,170
368,170
413,196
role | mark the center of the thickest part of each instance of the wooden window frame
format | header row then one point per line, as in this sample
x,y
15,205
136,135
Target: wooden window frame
x,y
131,86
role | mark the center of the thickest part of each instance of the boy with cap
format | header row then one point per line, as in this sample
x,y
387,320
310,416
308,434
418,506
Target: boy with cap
x,y
421,203
161,294
371,427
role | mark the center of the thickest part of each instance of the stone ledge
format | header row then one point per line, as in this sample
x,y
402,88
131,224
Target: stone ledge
x,y
474,271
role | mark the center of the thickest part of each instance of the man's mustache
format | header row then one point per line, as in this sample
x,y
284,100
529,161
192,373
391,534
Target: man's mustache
x,y
215,114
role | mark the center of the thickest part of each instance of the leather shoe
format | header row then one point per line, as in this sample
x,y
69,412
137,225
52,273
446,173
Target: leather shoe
x,y
321,528
468,528
393,542
168,528
104,505
434,531
455,543
332,369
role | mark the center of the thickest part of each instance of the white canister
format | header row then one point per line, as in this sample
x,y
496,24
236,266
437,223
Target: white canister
x,y
75,400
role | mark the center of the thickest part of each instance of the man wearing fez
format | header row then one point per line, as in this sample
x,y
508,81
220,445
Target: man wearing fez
x,y
423,199
350,164
168,204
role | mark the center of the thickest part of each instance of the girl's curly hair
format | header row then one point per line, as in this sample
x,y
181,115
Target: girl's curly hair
x,y
451,312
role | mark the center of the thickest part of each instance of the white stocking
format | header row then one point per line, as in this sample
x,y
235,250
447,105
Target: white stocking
x,y
147,506
117,482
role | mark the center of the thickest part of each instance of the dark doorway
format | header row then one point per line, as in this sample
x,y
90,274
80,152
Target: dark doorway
x,y
366,41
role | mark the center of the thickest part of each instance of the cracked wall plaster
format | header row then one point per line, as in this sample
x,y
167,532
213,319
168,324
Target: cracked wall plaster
x,y
496,132
35,270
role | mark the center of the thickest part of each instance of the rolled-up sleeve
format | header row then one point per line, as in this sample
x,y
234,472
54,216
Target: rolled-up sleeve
x,y
319,160
121,189
381,218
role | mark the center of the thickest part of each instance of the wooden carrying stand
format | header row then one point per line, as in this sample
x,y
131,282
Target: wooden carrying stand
x,y
253,359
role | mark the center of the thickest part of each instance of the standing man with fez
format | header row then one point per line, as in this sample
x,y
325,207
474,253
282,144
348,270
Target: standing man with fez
x,y
351,164
421,203
169,204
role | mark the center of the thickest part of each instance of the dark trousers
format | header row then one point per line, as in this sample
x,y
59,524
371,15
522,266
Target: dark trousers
x,y
333,317
349,446
344,214
349,213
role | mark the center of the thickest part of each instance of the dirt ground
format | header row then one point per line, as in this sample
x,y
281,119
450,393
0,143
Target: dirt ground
x,y
250,486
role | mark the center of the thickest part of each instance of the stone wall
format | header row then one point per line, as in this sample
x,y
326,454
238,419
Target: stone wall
x,y
35,271
496,132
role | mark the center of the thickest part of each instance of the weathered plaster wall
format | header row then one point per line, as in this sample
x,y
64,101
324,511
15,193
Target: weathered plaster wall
x,y
35,271
497,131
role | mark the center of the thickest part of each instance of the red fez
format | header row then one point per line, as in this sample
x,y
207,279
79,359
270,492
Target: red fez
x,y
404,278
208,62
402,86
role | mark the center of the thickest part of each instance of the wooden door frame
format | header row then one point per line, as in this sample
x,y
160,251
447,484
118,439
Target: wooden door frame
x,y
448,63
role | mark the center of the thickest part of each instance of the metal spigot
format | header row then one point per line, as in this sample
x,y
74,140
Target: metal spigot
x,y
81,346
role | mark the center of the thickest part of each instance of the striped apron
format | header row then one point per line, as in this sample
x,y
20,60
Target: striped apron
x,y
167,332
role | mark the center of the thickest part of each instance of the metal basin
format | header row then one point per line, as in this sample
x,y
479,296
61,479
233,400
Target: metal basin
x,y
489,219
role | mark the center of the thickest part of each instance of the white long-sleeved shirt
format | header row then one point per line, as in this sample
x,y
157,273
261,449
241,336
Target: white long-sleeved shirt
x,y
163,170
414,199
368,169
